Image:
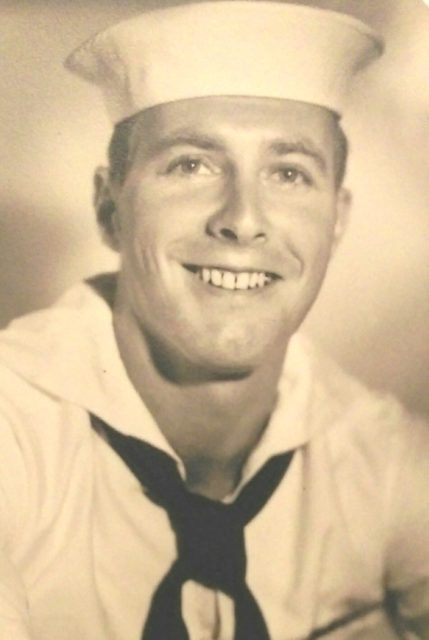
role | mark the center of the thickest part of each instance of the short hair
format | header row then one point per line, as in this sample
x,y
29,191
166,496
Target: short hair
x,y
120,155
341,153
119,150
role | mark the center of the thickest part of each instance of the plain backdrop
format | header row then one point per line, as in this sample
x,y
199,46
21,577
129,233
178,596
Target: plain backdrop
x,y
373,314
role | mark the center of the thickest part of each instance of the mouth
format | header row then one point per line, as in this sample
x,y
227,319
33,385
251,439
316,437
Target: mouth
x,y
233,280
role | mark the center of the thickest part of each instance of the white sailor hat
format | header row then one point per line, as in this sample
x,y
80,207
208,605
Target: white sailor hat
x,y
226,48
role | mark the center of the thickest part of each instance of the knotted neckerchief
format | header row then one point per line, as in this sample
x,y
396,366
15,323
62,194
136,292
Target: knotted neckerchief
x,y
209,536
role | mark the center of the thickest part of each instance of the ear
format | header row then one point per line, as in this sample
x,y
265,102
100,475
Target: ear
x,y
344,203
105,207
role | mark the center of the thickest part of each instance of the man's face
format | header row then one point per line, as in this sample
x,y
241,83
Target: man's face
x,y
225,225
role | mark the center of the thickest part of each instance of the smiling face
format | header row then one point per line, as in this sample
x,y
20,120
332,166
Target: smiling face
x,y
225,224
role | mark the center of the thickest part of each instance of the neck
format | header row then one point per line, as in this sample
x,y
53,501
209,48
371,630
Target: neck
x,y
212,422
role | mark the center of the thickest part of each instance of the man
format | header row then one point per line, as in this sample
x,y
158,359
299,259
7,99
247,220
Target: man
x,y
176,462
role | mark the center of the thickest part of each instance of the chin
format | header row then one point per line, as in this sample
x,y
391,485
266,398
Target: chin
x,y
221,369
234,357
231,363
218,349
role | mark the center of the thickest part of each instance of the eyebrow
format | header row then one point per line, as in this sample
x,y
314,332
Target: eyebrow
x,y
188,138
305,147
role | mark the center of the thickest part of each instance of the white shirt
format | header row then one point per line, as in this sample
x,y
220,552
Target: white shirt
x,y
83,549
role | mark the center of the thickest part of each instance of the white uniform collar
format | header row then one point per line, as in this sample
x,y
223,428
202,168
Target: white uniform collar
x,y
70,352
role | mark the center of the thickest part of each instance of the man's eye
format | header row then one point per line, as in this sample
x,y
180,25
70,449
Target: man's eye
x,y
291,175
189,167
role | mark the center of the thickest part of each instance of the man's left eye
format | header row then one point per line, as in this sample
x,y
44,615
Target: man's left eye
x,y
291,175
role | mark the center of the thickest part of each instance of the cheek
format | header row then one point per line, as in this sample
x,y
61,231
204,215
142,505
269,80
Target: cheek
x,y
155,209
312,229
146,223
154,229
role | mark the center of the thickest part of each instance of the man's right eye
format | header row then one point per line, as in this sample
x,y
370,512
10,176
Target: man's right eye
x,y
188,166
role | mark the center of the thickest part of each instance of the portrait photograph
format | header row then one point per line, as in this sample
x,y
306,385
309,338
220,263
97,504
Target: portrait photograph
x,y
214,320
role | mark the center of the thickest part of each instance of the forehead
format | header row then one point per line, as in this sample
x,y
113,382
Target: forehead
x,y
230,120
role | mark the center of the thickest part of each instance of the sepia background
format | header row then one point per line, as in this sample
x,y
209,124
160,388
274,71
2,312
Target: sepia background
x,y
373,314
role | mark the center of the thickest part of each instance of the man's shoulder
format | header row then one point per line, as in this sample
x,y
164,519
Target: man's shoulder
x,y
353,413
60,364
35,335
38,348
75,300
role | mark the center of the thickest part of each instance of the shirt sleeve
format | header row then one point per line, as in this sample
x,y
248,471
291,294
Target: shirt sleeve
x,y
13,610
14,618
408,531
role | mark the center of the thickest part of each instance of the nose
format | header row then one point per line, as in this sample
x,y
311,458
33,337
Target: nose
x,y
240,219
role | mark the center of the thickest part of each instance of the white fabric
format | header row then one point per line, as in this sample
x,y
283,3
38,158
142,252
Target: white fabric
x,y
83,549
260,49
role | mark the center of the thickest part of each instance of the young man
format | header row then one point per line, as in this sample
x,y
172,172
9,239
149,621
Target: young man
x,y
176,462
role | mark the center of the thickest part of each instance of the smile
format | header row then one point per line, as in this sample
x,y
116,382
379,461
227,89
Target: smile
x,y
233,280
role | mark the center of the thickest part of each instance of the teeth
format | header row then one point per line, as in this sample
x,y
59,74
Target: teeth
x,y
242,281
232,281
254,280
228,280
261,279
216,277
